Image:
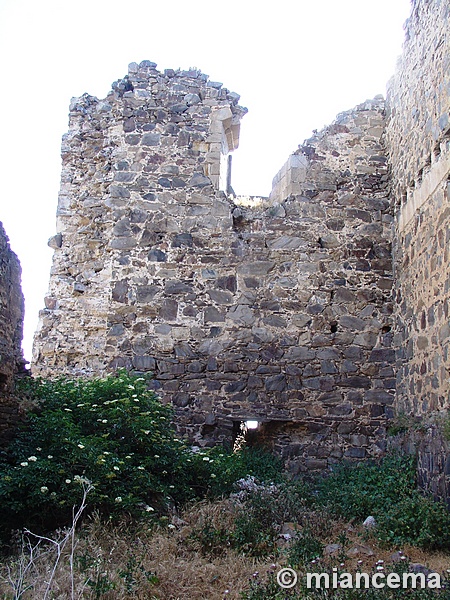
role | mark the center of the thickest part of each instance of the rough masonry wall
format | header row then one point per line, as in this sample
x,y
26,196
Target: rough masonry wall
x,y
278,312
418,137
11,329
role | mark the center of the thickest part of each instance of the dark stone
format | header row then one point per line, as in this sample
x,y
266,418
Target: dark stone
x,y
377,410
120,291
380,396
116,330
164,182
335,224
356,381
144,363
299,354
331,398
178,108
156,255
55,241
267,369
314,464
355,453
117,191
274,321
138,216
350,322
151,139
182,239
129,125
211,365
146,293
124,176
169,310
212,315
227,283
235,386
277,383
180,399
196,366
315,309
183,350
221,296
178,287
382,355
199,180
341,410
319,383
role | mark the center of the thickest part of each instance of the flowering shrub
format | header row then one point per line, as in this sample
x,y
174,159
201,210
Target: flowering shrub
x,y
116,434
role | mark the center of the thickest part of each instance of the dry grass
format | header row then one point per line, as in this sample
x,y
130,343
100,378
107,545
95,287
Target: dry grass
x,y
167,562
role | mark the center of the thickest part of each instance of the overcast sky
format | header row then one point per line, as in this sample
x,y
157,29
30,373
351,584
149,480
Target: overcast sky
x,y
295,63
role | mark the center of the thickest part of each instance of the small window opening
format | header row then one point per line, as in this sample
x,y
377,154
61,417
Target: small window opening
x,y
246,433
333,326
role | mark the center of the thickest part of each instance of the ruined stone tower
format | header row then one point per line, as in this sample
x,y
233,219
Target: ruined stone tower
x,y
280,309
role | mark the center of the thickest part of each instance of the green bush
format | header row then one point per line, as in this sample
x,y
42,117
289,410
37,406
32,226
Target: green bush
x,y
116,434
113,432
367,488
416,520
387,490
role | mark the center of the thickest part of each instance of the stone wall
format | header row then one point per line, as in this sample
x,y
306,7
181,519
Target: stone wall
x,y
275,310
418,137
11,329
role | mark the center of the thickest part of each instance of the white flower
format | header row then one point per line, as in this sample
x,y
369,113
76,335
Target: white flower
x,y
38,449
149,509
24,464
50,456
116,468
141,468
32,458
68,481
156,456
44,489
118,499
80,445
205,458
171,526
213,475
104,420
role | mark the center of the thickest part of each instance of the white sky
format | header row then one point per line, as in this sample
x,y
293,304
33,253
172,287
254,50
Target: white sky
x,y
295,63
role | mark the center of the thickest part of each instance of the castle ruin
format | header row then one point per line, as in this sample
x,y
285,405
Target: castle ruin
x,y
317,312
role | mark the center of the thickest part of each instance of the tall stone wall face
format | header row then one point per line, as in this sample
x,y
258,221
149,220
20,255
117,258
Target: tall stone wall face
x,y
418,138
11,330
277,311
